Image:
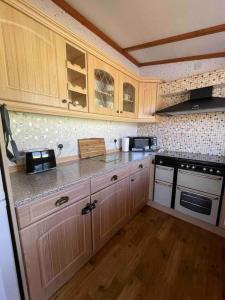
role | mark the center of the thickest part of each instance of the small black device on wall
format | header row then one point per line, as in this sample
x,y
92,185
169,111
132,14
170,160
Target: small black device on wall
x,y
40,160
142,143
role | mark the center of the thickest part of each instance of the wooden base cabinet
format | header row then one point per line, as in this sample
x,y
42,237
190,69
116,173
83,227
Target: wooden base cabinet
x,y
111,212
139,187
55,248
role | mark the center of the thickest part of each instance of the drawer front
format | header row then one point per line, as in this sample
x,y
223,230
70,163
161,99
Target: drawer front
x,y
139,164
201,182
163,193
41,208
163,173
104,180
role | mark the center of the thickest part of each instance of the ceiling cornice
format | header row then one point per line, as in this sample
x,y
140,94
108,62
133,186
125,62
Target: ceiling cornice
x,y
179,37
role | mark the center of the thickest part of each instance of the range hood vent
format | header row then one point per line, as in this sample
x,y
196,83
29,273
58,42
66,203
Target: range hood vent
x,y
201,101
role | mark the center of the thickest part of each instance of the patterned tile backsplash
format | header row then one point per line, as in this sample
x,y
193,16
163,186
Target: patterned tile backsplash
x,y
202,133
35,131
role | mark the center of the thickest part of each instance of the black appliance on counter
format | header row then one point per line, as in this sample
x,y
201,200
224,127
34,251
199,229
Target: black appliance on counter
x,y
190,183
40,160
142,143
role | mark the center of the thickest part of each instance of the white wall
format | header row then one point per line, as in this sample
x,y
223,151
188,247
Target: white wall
x,y
175,71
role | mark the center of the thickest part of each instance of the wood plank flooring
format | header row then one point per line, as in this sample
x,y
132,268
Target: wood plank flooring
x,y
154,257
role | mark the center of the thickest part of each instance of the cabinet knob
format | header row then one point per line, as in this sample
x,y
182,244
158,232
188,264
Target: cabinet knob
x,y
132,179
64,101
62,200
121,112
114,178
140,166
117,111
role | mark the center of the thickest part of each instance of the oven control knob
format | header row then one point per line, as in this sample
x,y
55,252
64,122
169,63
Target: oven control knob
x,y
218,172
182,165
204,169
161,162
193,167
187,166
210,170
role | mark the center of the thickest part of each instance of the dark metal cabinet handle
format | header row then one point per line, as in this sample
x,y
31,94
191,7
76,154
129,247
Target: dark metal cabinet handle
x,y
140,166
89,207
86,210
93,204
132,180
62,200
64,101
114,178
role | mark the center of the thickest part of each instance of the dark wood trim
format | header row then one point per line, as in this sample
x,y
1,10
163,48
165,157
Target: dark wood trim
x,y
80,18
179,37
185,58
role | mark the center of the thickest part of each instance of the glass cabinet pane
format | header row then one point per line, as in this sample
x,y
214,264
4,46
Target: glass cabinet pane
x,y
104,89
128,97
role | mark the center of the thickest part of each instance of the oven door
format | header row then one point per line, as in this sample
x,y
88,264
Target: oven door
x,y
197,204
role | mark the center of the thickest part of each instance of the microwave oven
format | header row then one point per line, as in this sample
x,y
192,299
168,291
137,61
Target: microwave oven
x,y
142,143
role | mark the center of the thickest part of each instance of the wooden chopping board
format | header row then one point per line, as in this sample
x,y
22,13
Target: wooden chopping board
x,y
91,147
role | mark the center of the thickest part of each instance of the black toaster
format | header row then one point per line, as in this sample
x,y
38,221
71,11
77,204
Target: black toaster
x,y
40,160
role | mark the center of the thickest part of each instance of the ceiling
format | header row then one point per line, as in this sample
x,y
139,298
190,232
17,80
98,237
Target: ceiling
x,y
129,23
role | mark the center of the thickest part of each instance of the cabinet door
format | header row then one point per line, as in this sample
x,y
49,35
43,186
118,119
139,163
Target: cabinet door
x,y
128,96
30,59
55,248
139,186
103,87
147,99
111,212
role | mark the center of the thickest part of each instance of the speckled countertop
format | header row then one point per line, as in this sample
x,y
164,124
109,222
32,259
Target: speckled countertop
x,y
29,187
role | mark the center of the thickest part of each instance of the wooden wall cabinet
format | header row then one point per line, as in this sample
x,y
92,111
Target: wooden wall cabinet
x,y
55,248
102,87
148,93
31,60
128,96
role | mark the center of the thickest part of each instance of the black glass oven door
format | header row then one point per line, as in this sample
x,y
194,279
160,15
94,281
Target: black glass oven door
x,y
195,202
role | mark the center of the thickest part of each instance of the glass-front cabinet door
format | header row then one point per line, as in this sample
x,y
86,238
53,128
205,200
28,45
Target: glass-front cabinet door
x,y
103,87
128,97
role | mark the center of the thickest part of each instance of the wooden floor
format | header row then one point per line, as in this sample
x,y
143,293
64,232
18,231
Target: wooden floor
x,y
154,257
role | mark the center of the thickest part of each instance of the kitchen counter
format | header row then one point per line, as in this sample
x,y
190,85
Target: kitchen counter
x,y
29,187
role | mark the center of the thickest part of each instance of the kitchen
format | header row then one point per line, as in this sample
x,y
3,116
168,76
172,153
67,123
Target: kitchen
x,y
112,150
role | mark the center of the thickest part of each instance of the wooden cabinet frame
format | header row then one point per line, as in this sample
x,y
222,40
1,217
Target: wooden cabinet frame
x,y
126,79
96,64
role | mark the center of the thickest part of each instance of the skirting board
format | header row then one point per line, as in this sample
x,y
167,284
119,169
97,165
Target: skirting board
x,y
214,229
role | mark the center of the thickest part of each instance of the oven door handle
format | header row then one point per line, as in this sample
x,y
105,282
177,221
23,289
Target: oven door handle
x,y
197,193
164,167
201,175
163,183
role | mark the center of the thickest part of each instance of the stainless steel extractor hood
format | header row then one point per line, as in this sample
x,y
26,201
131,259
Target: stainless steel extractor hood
x,y
201,101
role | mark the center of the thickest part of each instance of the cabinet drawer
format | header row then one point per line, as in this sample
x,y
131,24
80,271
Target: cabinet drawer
x,y
41,208
139,164
104,180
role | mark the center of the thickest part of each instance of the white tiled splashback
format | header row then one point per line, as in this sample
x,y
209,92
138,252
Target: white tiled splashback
x,y
35,131
203,133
